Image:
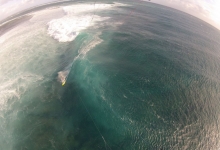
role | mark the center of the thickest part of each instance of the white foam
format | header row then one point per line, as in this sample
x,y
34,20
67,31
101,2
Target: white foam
x,y
77,9
78,17
95,41
7,94
14,88
67,28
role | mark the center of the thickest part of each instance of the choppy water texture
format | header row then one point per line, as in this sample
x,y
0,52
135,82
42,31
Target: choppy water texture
x,y
135,76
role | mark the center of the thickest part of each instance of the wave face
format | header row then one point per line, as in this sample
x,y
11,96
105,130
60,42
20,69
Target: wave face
x,y
110,76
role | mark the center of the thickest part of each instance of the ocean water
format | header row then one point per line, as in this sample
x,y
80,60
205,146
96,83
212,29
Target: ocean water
x,y
134,76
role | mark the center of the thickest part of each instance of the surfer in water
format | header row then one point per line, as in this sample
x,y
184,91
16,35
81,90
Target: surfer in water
x,y
62,76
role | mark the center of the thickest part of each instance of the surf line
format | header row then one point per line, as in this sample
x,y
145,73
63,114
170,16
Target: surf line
x,y
106,144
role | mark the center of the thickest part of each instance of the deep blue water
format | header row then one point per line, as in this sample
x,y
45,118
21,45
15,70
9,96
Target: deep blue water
x,y
152,84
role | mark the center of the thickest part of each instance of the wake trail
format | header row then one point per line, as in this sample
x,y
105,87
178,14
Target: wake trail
x,y
63,75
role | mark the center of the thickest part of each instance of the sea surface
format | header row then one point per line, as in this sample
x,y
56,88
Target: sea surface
x,y
114,76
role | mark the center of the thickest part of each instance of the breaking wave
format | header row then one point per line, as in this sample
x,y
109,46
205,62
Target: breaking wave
x,y
63,75
77,18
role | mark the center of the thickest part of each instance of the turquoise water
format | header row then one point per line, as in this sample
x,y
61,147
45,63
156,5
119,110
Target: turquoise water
x,y
152,83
